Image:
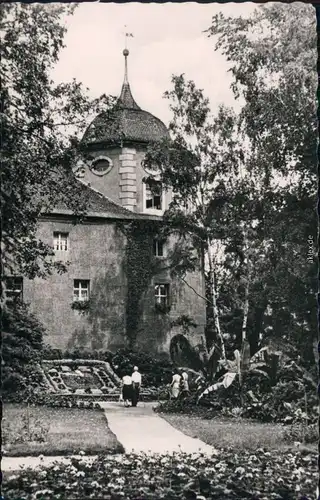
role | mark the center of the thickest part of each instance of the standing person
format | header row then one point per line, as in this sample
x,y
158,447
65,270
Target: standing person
x,y
136,385
175,384
126,389
184,383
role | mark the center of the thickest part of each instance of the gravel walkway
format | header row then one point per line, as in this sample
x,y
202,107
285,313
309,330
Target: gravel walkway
x,y
137,429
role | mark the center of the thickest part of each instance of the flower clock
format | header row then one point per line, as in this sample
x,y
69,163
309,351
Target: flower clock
x,y
81,378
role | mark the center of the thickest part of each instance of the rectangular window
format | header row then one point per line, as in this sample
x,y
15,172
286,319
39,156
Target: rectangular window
x,y
81,290
162,294
158,248
13,288
154,196
61,241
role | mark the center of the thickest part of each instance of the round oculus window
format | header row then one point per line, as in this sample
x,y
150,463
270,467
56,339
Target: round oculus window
x,y
150,171
101,166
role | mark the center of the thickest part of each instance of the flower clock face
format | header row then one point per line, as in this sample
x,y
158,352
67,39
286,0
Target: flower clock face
x,y
79,378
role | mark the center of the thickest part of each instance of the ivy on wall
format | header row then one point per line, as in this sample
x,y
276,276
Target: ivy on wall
x,y
141,267
83,306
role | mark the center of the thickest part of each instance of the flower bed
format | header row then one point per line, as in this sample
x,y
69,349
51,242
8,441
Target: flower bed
x,y
70,400
73,381
79,379
78,376
74,400
260,476
155,371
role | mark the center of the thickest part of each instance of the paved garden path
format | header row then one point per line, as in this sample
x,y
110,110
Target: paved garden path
x,y
140,429
137,429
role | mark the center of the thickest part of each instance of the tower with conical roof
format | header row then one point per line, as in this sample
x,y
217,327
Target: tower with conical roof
x,y
124,278
115,144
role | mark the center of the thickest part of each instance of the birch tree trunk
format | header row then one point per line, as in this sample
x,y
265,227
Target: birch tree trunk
x,y
247,288
245,312
214,300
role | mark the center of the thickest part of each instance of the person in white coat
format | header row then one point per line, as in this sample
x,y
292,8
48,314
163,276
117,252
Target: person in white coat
x,y
184,383
175,384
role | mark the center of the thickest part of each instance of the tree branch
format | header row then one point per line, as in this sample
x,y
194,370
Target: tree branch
x,y
195,291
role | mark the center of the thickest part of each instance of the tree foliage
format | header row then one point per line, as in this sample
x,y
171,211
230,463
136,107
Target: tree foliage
x,y
193,164
273,63
41,125
244,185
22,344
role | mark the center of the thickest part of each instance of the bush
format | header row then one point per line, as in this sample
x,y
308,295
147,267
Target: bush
x,y
41,397
50,353
260,411
284,403
187,407
302,433
12,381
155,372
22,344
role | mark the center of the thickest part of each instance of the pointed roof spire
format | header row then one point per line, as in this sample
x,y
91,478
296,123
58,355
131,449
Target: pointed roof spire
x,y
126,100
125,53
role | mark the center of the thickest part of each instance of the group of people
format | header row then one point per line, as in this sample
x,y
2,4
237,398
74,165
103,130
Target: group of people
x,y
131,385
180,384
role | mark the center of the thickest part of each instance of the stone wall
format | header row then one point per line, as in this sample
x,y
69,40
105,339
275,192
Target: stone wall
x,y
184,301
123,183
108,184
98,252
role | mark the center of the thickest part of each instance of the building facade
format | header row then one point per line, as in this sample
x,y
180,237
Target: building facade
x,y
117,290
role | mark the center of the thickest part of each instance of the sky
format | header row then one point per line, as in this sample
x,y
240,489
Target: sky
x,y
168,39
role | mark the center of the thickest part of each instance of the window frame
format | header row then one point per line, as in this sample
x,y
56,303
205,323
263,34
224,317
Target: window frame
x,y
17,294
150,171
156,243
166,295
106,170
67,239
78,297
152,210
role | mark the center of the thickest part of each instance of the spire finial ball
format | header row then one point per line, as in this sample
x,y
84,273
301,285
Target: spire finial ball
x,y
125,52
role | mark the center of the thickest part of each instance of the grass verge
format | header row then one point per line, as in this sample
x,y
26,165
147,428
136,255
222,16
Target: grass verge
x,y
230,433
66,431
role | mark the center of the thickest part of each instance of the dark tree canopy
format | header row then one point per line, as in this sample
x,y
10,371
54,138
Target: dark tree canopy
x,y
245,185
41,125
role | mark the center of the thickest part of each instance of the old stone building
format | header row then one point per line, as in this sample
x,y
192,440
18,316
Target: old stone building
x,y
117,289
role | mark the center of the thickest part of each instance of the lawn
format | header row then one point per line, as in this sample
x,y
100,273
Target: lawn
x,y
63,431
239,434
